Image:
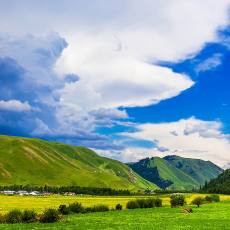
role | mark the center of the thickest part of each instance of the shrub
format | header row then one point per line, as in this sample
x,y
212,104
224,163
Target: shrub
x,y
88,209
132,204
197,201
2,218
29,216
142,203
76,207
118,207
158,202
50,216
177,200
208,199
100,208
14,216
149,203
63,209
212,198
215,198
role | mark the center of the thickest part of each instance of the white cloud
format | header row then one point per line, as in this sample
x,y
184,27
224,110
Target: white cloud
x,y
117,62
114,45
41,128
195,138
15,106
114,48
210,63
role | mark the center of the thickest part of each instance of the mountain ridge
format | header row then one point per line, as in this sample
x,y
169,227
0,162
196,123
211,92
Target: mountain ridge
x,y
175,172
39,162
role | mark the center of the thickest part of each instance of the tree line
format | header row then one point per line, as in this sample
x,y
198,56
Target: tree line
x,y
64,189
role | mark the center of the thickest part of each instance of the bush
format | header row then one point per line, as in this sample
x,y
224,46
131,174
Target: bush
x,y
14,216
149,203
2,218
197,201
63,209
215,198
97,208
76,208
142,203
100,208
132,204
158,202
29,216
212,198
88,209
208,199
177,200
50,216
118,207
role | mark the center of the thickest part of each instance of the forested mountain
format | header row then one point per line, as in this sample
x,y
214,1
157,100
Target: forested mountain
x,y
221,184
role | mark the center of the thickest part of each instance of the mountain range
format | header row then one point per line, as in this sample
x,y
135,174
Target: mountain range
x,y
174,172
38,162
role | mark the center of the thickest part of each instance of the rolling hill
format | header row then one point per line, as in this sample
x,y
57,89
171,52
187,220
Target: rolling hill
x,y
38,162
174,172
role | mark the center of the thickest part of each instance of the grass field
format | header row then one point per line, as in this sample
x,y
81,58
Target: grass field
x,y
208,216
40,203
213,216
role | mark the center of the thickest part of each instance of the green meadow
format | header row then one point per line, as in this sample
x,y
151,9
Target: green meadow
x,y
208,216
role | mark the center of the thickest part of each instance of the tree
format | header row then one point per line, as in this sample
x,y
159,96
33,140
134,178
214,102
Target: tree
x,y
177,200
197,201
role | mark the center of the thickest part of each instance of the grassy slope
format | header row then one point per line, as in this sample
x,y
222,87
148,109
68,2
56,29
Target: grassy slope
x,y
159,171
199,170
213,216
180,179
38,162
185,173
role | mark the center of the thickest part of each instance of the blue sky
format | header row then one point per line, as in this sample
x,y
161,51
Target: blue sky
x,y
118,78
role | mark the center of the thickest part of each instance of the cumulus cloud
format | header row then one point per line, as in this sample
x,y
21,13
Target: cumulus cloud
x,y
15,106
106,59
196,138
115,62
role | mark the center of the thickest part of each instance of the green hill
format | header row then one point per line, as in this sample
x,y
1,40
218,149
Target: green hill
x,y
221,184
174,172
200,170
38,162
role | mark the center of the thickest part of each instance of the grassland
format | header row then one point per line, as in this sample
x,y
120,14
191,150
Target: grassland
x,y
214,216
37,162
39,203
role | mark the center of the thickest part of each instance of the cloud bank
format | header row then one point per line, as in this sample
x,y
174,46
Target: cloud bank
x,y
103,59
194,138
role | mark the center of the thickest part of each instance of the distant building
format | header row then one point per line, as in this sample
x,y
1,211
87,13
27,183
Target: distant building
x,y
7,192
69,193
34,193
22,193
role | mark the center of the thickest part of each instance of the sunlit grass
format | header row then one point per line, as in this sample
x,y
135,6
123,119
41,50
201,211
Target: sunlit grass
x,y
41,202
212,216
